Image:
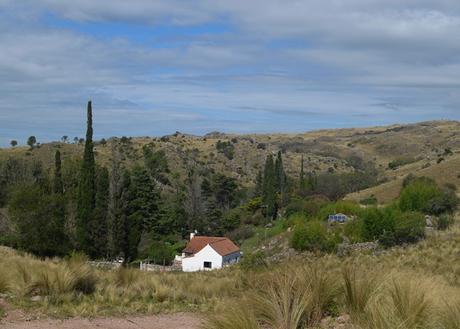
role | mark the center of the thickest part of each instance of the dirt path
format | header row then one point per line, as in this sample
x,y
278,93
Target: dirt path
x,y
172,321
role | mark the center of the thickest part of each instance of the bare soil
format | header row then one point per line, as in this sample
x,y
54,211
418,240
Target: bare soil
x,y
18,320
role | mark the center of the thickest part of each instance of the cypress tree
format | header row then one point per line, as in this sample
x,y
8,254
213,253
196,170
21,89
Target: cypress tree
x,y
259,184
58,187
86,199
302,183
280,178
269,187
98,227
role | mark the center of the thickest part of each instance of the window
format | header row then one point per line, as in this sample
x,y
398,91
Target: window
x,y
207,264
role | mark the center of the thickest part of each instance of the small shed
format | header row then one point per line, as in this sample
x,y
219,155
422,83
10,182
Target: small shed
x,y
338,218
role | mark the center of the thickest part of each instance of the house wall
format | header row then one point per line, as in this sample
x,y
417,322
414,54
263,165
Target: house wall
x,y
196,263
231,259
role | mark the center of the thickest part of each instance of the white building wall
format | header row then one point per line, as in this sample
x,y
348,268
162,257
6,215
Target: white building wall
x,y
196,263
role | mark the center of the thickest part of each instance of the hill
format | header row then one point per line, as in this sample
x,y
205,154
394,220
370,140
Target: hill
x,y
426,148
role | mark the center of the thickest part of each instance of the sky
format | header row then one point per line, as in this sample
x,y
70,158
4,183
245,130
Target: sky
x,y
153,67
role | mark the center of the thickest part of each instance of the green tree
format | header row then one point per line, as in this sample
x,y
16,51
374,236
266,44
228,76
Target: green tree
x,y
281,179
39,220
269,188
98,226
31,141
58,186
142,208
86,199
13,143
259,184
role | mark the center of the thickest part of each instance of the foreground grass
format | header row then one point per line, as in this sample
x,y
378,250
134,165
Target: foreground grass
x,y
415,287
73,288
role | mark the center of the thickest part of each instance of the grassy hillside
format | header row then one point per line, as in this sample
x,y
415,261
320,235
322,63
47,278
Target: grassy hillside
x,y
413,146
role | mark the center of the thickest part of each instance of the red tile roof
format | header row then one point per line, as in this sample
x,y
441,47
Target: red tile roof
x,y
223,246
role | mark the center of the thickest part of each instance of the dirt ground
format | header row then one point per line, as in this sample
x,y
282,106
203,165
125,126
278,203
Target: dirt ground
x,y
16,319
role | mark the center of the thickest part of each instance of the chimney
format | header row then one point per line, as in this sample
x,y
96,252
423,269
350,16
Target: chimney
x,y
192,235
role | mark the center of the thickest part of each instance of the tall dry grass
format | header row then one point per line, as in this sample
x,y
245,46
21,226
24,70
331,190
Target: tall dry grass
x,y
73,288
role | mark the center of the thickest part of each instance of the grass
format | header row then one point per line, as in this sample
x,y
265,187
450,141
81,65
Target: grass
x,y
261,235
73,288
414,287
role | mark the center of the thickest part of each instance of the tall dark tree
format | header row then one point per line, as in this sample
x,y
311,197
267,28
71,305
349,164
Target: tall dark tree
x,y
58,186
142,211
86,200
259,184
302,182
97,226
269,188
118,189
281,179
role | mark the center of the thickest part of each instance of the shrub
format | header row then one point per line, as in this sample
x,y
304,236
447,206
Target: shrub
x,y
417,194
395,164
226,148
161,253
376,222
409,227
354,230
241,233
313,236
444,221
371,200
424,195
253,260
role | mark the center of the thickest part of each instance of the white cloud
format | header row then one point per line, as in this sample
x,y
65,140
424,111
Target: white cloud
x,y
277,60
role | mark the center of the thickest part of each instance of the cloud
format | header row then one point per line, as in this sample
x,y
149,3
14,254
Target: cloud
x,y
269,65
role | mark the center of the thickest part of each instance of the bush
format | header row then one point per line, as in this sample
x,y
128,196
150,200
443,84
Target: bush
x,y
395,164
314,236
241,233
226,148
371,200
161,253
253,260
444,221
375,223
417,194
354,231
424,195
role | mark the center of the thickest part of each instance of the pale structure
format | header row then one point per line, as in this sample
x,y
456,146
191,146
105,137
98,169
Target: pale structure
x,y
208,253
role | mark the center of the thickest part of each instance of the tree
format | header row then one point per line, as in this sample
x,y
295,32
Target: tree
x,y
193,202
98,226
103,142
86,199
58,186
39,220
303,183
13,143
280,177
269,188
64,139
142,211
75,140
259,184
31,141
118,190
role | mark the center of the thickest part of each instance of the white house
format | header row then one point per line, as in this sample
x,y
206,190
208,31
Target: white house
x,y
207,253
